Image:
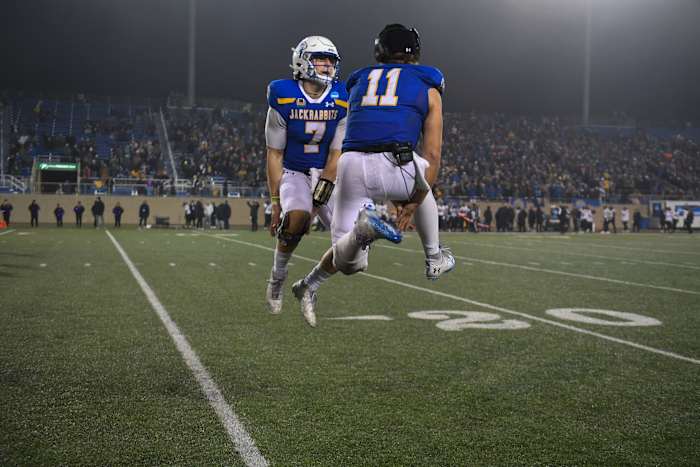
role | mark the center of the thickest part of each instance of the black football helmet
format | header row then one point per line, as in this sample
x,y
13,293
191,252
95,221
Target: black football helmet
x,y
397,39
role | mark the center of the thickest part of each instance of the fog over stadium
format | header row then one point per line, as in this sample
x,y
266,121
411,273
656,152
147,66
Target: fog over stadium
x,y
516,56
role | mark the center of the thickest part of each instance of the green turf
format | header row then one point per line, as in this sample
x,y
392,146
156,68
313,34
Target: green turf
x,y
89,374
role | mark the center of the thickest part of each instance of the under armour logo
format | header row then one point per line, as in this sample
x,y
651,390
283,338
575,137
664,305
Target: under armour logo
x,y
330,104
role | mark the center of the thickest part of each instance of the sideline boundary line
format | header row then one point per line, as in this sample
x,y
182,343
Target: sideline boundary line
x,y
493,307
7,232
552,271
242,441
583,255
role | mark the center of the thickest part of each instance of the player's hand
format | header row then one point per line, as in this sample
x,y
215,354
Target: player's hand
x,y
405,214
275,221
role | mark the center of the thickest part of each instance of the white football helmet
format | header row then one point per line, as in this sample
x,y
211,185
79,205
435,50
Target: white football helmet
x,y
311,47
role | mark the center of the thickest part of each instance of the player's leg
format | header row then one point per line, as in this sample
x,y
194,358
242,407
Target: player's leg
x,y
438,260
347,253
295,197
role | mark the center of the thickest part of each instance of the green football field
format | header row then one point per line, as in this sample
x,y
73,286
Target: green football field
x,y
536,350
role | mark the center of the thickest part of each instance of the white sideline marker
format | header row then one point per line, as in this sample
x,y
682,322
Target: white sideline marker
x,y
7,232
501,309
172,265
561,273
242,441
212,264
87,265
42,265
251,264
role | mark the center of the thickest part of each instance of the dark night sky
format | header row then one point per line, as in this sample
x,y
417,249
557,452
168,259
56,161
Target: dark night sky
x,y
520,56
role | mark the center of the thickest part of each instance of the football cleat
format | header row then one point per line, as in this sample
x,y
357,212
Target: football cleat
x,y
307,298
274,294
434,268
370,227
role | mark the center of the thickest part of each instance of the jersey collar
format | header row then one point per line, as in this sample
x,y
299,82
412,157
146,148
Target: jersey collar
x,y
321,98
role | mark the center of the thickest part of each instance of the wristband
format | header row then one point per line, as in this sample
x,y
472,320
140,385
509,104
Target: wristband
x,y
322,192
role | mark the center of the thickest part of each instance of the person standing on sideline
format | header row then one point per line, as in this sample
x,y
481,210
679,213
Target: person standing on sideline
x,y
6,208
636,221
226,212
254,208
34,213
689,218
79,209
625,216
59,212
118,211
668,220
393,104
563,220
98,210
267,210
488,217
613,219
607,216
144,212
539,219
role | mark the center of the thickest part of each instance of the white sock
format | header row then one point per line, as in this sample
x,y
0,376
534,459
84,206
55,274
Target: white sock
x,y
427,226
279,267
316,277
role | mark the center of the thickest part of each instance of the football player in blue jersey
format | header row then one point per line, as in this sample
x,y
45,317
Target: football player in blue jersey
x,y
304,131
392,105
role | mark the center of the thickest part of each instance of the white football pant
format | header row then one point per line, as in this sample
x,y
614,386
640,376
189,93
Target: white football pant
x,y
365,178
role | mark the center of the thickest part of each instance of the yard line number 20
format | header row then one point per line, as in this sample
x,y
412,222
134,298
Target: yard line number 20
x,y
389,97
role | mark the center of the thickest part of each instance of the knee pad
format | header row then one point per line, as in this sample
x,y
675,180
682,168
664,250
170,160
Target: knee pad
x,y
288,238
350,264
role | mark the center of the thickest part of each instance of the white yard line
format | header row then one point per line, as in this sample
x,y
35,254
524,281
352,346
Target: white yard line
x,y
629,248
7,232
501,309
561,273
583,255
242,441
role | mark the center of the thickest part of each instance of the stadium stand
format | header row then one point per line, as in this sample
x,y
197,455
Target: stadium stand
x,y
222,149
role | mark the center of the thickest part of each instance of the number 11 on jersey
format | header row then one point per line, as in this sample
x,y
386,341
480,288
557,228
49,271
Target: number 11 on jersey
x,y
389,97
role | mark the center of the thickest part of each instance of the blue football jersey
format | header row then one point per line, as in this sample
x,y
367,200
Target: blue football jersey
x,y
388,104
310,125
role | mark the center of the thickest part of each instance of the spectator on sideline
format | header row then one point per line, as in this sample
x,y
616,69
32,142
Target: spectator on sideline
x,y
6,208
226,213
118,211
79,209
144,212
254,206
58,213
98,210
34,213
625,216
689,218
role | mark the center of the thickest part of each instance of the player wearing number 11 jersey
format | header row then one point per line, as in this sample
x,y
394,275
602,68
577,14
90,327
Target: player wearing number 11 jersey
x,y
304,131
393,105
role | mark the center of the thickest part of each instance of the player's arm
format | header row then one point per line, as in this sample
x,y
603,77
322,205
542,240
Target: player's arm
x,y
326,182
276,140
432,136
432,152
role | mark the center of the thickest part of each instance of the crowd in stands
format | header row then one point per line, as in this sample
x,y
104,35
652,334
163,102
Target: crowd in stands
x,y
109,141
490,157
224,143
500,157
